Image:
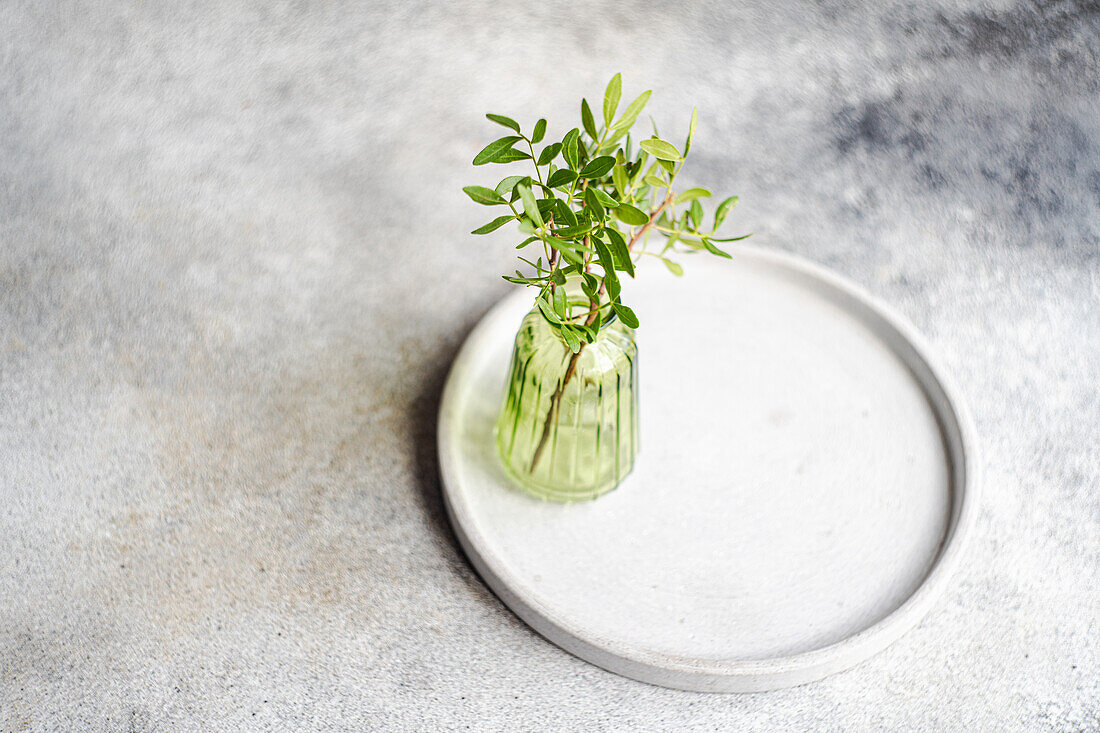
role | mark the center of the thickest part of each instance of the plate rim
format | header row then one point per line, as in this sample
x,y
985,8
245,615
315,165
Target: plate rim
x,y
702,675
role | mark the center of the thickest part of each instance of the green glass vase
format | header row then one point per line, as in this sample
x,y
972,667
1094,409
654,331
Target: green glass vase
x,y
569,431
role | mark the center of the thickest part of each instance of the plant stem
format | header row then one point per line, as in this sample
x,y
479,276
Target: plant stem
x,y
652,218
555,405
534,159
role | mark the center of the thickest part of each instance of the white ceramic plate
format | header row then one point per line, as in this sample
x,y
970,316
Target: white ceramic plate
x,y
806,481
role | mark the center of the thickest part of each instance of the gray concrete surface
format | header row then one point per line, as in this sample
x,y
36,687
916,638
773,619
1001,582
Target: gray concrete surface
x,y
234,268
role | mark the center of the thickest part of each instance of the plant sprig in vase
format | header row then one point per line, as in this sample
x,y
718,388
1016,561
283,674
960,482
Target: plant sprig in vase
x,y
593,203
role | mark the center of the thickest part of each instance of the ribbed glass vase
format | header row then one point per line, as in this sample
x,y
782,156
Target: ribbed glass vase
x,y
586,444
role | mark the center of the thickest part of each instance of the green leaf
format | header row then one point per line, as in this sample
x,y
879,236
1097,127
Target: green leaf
x,y
589,281
491,152
484,196
546,208
691,130
530,206
607,262
493,225
714,250
625,315
631,215
611,98
570,337
548,153
511,155
696,213
502,120
571,234
592,330
570,255
673,267
660,149
560,305
729,239
547,310
508,185
589,285
593,204
723,211
653,180
569,145
539,132
565,213
537,264
614,289
691,194
634,109
622,182
588,121
604,198
598,167
561,177
526,242
620,252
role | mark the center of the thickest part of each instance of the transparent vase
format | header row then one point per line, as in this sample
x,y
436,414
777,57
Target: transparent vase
x,y
570,433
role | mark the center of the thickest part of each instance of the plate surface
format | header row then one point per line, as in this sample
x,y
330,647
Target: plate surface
x,y
805,484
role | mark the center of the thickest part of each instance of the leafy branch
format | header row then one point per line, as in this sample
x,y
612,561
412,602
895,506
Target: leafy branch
x,y
592,202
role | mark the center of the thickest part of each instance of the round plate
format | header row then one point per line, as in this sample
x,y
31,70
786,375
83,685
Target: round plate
x,y
805,484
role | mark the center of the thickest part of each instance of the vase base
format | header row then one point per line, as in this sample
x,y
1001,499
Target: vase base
x,y
550,493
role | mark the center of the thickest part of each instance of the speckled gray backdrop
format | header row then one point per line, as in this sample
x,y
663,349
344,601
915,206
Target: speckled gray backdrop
x,y
234,269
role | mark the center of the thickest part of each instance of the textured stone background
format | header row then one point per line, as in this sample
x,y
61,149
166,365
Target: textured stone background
x,y
234,268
